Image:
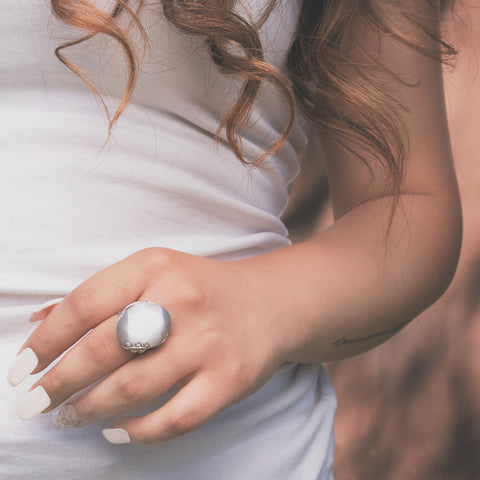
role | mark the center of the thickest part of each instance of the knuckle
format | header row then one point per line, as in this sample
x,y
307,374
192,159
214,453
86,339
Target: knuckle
x,y
55,385
148,435
86,410
125,291
153,259
41,341
212,340
184,421
238,372
99,349
129,388
81,301
190,295
146,440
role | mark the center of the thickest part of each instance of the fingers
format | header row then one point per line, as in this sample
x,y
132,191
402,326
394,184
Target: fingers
x,y
96,299
89,360
142,379
193,406
122,381
97,354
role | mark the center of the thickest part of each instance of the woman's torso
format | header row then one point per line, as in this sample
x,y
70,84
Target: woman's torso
x,y
161,181
67,212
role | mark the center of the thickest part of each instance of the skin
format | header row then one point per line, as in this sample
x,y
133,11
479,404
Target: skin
x,y
233,323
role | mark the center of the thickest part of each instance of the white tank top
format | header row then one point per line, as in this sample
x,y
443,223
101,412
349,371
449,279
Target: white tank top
x,y
67,212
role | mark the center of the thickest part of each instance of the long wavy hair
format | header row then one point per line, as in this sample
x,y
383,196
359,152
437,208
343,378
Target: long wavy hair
x,y
338,85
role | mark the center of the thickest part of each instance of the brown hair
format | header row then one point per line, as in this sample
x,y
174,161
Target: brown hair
x,y
333,89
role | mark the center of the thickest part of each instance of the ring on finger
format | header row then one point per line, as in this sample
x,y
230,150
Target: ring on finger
x,y
143,325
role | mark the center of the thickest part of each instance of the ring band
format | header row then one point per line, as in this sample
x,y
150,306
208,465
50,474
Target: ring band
x,y
143,325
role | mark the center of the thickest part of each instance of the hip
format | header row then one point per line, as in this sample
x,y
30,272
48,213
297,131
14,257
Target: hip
x,y
283,431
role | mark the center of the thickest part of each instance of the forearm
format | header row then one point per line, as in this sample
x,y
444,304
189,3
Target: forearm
x,y
350,288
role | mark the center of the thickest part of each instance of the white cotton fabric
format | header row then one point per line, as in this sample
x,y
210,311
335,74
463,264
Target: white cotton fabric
x,y
68,211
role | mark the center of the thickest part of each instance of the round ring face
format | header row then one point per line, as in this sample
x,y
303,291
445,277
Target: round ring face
x,y
143,325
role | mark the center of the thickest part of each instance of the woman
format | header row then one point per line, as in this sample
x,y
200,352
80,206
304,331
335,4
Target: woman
x,y
183,210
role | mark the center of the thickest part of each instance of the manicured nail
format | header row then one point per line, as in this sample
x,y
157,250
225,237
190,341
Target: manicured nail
x,y
35,315
33,403
116,435
22,367
66,416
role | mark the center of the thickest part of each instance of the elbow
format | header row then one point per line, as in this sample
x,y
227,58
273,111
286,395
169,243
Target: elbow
x,y
445,246
428,265
452,253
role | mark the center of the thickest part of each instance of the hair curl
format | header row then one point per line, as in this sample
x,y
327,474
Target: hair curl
x,y
336,92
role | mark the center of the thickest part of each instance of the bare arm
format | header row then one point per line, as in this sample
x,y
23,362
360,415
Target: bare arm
x,y
351,288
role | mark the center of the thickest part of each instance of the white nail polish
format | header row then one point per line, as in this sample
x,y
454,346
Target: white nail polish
x,y
23,365
33,403
116,435
41,307
66,416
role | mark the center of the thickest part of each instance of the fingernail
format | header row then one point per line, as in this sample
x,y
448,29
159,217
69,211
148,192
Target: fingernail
x,y
33,403
22,366
116,435
66,417
42,307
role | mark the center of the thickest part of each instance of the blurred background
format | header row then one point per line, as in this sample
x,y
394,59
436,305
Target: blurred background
x,y
410,408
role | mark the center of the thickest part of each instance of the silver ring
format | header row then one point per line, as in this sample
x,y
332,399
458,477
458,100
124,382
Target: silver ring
x,y
143,325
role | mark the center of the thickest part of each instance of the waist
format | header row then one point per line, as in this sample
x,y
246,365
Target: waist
x,y
67,211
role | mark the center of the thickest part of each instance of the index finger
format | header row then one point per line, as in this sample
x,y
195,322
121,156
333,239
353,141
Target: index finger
x,y
96,299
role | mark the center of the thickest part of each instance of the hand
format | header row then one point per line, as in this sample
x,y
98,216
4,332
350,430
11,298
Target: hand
x,y
221,347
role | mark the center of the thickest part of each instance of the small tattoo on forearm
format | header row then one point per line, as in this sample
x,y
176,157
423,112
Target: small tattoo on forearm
x,y
347,341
